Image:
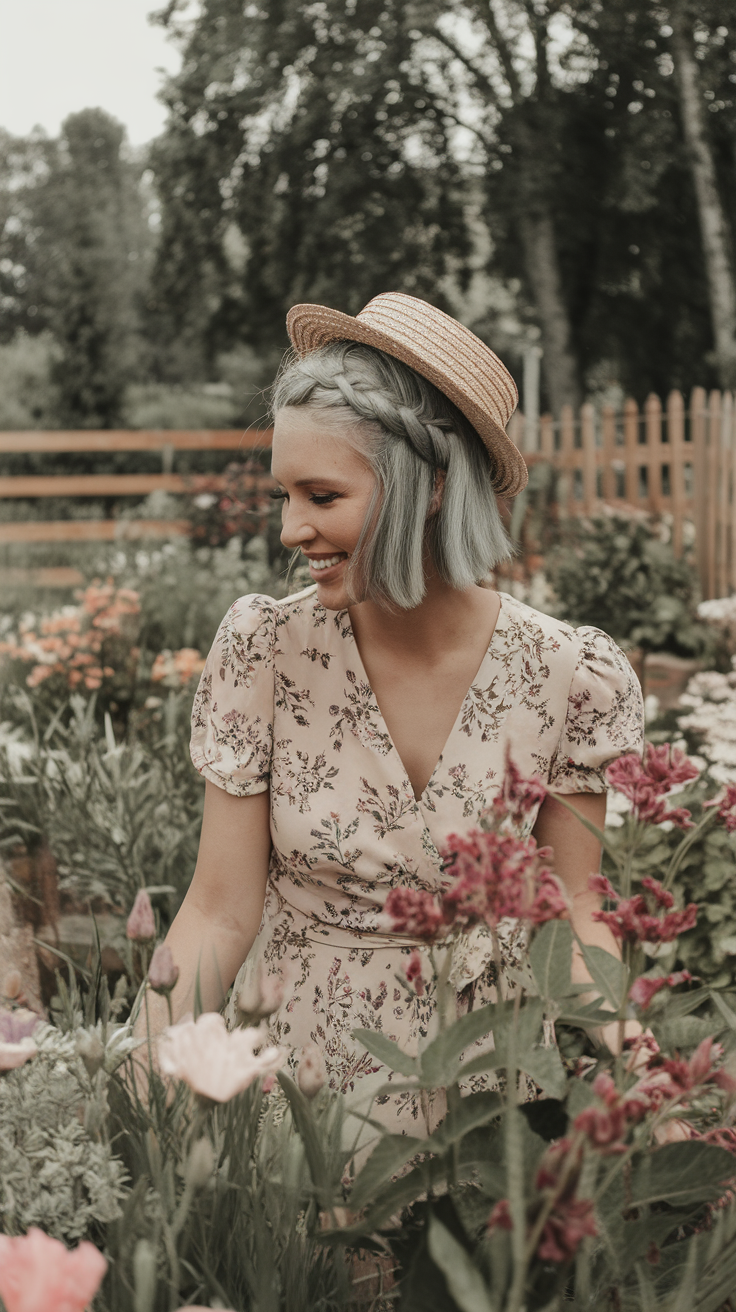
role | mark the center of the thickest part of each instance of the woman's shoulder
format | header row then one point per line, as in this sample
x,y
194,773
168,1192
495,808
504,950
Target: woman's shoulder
x,y
258,613
589,647
517,619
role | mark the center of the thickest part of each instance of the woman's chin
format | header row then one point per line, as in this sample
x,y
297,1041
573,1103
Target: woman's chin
x,y
332,594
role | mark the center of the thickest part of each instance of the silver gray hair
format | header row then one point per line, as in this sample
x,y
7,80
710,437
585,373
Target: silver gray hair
x,y
409,434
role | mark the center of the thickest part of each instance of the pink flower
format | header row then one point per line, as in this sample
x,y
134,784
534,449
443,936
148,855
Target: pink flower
x,y
569,1223
500,1218
647,782
674,1078
413,972
519,797
261,995
497,876
643,989
162,973
16,1045
604,1127
141,925
214,1061
633,921
414,912
726,804
312,1072
38,1274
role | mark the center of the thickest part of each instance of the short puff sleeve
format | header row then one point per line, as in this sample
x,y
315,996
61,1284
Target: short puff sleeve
x,y
232,715
605,716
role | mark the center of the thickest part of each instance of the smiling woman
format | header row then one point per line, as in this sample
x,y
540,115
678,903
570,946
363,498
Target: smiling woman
x,y
346,732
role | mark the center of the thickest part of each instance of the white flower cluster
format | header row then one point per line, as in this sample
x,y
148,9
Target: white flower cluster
x,y
709,706
719,610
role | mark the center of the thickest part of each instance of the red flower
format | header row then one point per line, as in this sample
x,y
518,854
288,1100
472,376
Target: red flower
x,y
646,783
497,876
566,1228
604,1127
519,797
632,921
413,911
413,972
643,990
500,1218
673,1078
726,804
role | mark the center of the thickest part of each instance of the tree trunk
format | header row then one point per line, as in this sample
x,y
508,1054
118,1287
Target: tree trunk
x,y
713,222
559,362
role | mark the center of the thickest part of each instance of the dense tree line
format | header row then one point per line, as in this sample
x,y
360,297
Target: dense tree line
x,y
581,155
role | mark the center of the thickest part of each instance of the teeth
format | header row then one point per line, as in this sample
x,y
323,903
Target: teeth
x,y
325,564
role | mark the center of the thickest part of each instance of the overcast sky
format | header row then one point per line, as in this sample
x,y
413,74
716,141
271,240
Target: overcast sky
x,y
58,56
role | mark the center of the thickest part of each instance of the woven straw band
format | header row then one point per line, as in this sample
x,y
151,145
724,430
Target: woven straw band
x,y
441,350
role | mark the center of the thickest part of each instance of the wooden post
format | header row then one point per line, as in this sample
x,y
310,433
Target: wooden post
x,y
587,424
732,499
567,449
631,450
711,503
723,572
699,444
653,457
608,423
676,434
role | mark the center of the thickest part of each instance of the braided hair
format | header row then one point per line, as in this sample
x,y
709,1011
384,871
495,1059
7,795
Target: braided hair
x,y
410,433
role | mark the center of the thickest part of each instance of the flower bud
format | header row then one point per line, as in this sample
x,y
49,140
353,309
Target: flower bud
x,y
162,973
145,1275
312,1072
12,984
200,1163
91,1049
141,924
261,995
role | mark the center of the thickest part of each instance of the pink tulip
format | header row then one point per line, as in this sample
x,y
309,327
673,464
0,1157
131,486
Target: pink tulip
x,y
162,973
312,1072
16,1045
38,1274
214,1061
141,924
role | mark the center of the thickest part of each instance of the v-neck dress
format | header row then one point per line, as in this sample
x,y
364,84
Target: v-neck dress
x,y
284,704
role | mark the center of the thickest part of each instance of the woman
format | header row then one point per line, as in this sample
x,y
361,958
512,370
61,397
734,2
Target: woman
x,y
346,731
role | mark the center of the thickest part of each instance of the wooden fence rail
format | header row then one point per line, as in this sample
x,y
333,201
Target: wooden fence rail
x,y
662,459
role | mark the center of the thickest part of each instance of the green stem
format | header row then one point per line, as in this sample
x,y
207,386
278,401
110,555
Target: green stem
x,y
681,852
515,1170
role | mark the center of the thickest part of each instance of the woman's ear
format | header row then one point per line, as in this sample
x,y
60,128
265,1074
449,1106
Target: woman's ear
x,y
439,490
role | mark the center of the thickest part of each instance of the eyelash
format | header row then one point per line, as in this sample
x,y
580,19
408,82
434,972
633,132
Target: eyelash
x,y
278,494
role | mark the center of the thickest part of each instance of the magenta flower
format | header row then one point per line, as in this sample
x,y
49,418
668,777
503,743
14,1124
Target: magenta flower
x,y
414,912
644,989
413,972
38,1274
646,783
16,1045
141,925
726,804
214,1061
498,876
568,1225
633,921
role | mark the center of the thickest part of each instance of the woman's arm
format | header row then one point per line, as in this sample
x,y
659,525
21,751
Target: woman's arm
x,y
218,920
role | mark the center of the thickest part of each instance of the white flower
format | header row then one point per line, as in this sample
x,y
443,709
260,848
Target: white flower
x,y
214,1061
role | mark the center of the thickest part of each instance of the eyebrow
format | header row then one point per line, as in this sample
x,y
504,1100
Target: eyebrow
x,y
308,482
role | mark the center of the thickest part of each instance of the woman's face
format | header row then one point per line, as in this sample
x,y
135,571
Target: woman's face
x,y
327,490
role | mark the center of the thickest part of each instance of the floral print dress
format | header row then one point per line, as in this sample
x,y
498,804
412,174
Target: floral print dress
x,y
284,704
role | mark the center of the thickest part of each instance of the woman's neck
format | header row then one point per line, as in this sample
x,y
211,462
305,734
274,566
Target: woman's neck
x,y
447,619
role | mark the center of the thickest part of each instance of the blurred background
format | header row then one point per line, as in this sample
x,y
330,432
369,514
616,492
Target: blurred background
x,y
561,177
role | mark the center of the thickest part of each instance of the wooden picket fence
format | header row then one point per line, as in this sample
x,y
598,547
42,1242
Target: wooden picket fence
x,y
658,459
671,460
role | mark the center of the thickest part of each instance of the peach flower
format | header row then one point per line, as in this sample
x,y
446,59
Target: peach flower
x,y
214,1061
141,925
16,1045
38,1274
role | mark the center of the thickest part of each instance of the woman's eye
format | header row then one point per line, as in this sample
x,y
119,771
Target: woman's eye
x,y
323,499
278,494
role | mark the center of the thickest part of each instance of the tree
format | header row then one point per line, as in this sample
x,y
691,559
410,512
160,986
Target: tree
x,y
74,247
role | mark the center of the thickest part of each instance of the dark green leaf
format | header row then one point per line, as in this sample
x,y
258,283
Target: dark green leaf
x,y
387,1052
680,1173
387,1158
464,1280
439,1061
551,958
608,973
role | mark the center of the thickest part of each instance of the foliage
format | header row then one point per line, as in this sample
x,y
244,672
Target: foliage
x,y
27,396
579,1198
620,574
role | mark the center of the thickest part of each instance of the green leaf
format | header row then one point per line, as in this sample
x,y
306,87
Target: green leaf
x,y
439,1061
387,1158
551,958
607,972
545,1067
470,1114
464,1280
387,1052
727,1013
307,1130
579,1096
680,1173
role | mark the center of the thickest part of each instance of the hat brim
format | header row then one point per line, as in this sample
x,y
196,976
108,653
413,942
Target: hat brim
x,y
313,326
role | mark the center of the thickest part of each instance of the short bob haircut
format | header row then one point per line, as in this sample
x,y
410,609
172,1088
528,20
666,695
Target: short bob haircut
x,y
410,432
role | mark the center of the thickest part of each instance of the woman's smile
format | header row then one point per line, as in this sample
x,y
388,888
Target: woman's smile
x,y
324,568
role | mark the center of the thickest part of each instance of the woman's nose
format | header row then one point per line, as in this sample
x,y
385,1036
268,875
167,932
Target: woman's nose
x,y
296,530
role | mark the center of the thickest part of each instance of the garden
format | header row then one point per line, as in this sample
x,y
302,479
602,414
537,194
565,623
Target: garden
x,y
579,1179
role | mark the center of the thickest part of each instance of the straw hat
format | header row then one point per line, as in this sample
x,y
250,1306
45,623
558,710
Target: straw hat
x,y
441,350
